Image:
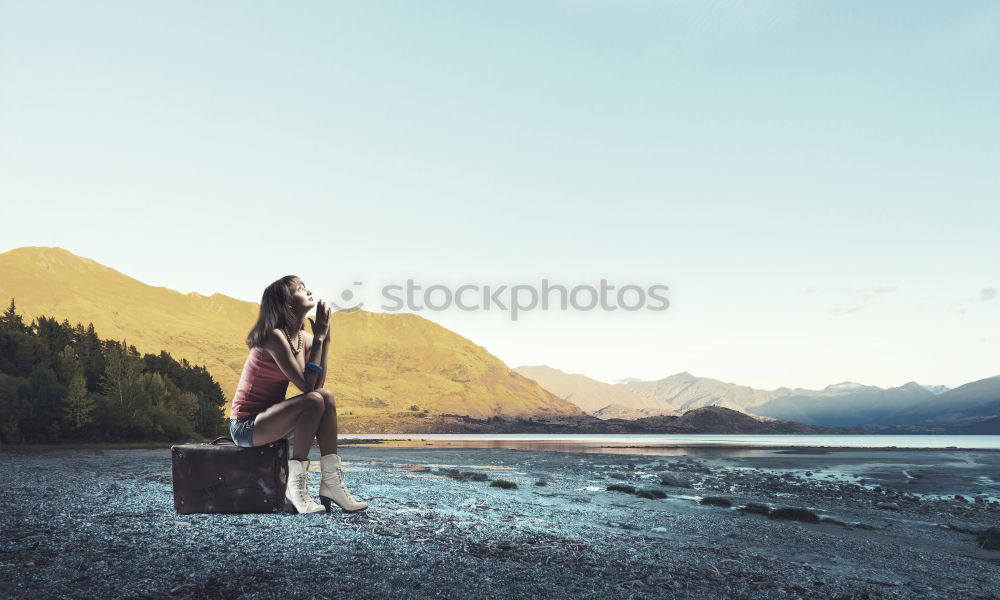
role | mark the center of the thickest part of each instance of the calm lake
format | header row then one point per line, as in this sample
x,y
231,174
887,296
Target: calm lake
x,y
672,444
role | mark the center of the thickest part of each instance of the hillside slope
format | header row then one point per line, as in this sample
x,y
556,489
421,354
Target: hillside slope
x,y
380,364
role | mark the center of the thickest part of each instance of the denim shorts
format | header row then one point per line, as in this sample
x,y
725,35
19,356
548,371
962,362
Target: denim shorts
x,y
241,431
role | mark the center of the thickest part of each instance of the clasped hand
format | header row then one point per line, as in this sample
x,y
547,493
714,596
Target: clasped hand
x,y
321,326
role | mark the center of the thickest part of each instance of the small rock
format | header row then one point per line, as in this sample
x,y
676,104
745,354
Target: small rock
x,y
651,494
503,483
960,498
990,539
758,509
964,528
887,505
715,501
794,514
465,475
618,487
673,479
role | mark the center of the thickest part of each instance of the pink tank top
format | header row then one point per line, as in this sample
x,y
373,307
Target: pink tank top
x,y
262,384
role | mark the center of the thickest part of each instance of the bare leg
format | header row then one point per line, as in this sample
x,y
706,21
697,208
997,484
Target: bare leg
x,y
327,433
300,413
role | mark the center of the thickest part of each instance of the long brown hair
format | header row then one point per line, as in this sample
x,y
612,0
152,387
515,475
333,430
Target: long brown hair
x,y
275,312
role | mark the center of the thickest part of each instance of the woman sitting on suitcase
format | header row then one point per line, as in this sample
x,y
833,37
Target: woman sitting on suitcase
x,y
282,352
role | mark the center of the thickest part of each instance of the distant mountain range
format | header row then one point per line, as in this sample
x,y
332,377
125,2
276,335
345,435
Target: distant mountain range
x,y
966,405
684,391
845,404
596,397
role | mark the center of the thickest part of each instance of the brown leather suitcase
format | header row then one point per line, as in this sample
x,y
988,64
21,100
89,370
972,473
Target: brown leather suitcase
x,y
219,477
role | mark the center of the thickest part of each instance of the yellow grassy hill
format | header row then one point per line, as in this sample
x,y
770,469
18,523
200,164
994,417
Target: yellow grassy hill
x,y
380,364
388,362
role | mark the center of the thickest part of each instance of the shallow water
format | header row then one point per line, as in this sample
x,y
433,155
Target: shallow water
x,y
933,473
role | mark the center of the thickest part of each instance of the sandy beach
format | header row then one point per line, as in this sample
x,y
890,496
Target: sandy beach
x,y
875,524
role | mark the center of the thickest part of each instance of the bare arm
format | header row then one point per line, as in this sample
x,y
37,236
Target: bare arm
x,y
277,346
321,330
322,363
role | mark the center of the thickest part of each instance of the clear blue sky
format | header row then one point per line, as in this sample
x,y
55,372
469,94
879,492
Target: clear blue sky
x,y
817,182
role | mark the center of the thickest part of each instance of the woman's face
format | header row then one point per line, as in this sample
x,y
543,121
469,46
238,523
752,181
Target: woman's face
x,y
301,297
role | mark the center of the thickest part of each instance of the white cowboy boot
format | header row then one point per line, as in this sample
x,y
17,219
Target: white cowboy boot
x,y
332,488
297,497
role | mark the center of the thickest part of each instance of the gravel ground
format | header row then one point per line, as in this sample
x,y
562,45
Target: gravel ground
x,y
101,524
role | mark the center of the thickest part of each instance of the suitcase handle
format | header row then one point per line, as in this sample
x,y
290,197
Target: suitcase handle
x,y
225,437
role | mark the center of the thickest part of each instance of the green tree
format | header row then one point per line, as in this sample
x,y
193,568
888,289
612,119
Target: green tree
x,y
79,403
121,380
14,393
88,350
52,333
187,406
46,406
67,366
61,380
12,321
25,353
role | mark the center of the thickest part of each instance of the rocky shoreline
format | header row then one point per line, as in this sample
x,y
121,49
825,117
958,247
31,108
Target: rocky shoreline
x,y
101,524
